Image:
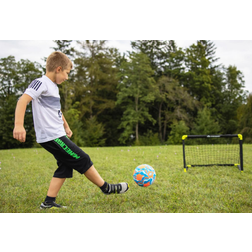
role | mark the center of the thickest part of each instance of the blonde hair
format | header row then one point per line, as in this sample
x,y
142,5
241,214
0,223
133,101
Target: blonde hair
x,y
57,59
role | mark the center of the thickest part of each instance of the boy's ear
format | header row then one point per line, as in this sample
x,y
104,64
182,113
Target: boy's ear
x,y
58,69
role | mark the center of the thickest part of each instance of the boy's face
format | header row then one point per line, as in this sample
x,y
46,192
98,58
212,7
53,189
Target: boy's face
x,y
61,75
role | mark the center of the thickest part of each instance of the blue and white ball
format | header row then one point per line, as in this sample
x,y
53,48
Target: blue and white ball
x,y
144,175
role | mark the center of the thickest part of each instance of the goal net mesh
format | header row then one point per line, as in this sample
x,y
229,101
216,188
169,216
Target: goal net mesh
x,y
211,151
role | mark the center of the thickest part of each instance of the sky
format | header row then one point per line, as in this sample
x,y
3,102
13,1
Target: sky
x,y
229,52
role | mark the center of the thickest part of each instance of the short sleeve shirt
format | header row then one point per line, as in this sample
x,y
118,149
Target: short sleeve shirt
x,y
46,109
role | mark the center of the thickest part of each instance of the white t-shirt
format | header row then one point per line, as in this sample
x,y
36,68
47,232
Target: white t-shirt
x,y
47,116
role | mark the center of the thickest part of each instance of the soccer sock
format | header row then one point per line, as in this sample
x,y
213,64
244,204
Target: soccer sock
x,y
105,187
49,199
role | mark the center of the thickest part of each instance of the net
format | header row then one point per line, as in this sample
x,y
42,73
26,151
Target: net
x,y
209,150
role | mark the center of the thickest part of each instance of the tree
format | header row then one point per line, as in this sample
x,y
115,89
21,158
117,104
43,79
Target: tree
x,y
174,67
244,114
95,85
233,97
96,77
8,76
136,91
93,133
72,116
210,51
166,61
156,51
175,104
65,47
205,124
165,58
8,100
198,77
178,129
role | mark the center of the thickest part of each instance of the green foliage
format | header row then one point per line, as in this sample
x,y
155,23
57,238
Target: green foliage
x,y
93,134
148,139
65,47
205,124
178,129
233,96
73,118
198,79
175,103
245,120
96,78
133,94
136,91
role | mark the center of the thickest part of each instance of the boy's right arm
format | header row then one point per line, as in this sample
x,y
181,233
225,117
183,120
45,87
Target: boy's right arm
x,y
19,132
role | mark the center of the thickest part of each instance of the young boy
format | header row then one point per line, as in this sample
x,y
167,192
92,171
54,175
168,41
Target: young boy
x,y
53,131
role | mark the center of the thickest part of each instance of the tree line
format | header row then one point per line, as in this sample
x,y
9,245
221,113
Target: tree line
x,y
150,95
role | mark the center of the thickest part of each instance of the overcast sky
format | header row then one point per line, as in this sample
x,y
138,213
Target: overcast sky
x,y
230,52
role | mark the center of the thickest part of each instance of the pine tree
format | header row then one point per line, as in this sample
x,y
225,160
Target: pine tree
x,y
174,67
175,104
178,129
156,51
205,124
166,61
95,85
233,96
65,47
198,78
96,77
136,91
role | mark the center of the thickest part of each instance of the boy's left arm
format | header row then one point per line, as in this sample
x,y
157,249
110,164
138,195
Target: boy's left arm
x,y
69,132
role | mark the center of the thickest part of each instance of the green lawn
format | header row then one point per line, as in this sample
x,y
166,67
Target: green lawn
x,y
25,175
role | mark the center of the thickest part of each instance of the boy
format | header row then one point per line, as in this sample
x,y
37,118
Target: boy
x,y
53,131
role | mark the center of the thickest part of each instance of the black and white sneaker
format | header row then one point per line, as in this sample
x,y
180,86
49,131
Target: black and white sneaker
x,y
117,188
50,205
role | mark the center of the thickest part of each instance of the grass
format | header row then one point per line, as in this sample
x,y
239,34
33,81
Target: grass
x,y
25,175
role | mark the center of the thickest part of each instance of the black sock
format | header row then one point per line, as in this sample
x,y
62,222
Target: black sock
x,y
49,199
105,187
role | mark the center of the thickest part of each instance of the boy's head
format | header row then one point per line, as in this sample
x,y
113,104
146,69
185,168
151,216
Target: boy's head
x,y
58,66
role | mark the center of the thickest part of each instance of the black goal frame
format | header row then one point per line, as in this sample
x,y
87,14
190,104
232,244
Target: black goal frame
x,y
239,166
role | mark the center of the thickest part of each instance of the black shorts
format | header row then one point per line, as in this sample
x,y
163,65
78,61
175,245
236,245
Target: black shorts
x,y
69,156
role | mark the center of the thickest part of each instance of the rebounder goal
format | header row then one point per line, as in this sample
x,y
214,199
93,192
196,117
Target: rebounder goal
x,y
212,150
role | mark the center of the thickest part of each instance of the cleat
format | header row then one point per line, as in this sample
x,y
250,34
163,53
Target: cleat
x,y
117,188
50,205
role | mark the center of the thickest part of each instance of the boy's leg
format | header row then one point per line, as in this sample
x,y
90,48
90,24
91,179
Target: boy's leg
x,y
55,186
93,175
52,193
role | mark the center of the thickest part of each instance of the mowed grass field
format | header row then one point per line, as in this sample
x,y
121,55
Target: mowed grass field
x,y
25,175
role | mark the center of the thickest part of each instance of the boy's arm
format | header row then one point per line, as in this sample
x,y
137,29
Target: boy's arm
x,y
19,132
69,132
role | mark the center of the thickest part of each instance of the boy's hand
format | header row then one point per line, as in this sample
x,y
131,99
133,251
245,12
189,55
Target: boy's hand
x,y
19,133
69,132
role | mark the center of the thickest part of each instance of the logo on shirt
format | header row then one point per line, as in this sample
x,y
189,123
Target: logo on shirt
x,y
59,113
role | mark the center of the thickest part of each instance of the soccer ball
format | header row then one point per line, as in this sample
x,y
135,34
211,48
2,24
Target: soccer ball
x,y
144,175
